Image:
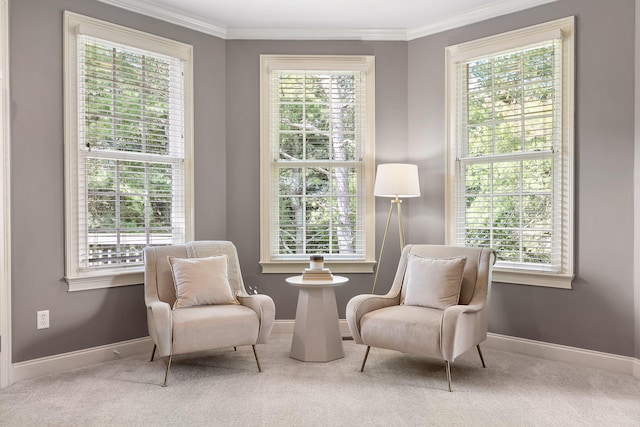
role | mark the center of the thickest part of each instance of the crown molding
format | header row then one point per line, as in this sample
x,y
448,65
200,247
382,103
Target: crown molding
x,y
178,17
316,34
170,15
493,10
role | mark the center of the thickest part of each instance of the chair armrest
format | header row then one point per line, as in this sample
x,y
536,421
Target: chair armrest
x,y
360,305
265,309
463,326
160,325
457,310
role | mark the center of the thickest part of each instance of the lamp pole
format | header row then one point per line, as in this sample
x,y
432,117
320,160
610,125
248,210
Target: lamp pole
x,y
398,203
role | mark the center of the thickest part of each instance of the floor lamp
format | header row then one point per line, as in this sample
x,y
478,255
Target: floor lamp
x,y
400,181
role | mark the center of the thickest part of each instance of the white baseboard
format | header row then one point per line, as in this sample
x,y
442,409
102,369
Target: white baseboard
x,y
78,359
286,327
561,353
283,327
81,358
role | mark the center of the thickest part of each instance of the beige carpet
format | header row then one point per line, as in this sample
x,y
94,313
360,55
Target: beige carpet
x,y
223,388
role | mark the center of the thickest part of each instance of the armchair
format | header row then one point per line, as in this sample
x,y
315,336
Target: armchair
x,y
428,329
247,320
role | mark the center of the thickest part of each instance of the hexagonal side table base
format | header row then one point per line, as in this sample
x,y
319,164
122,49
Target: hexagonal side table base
x,y
316,334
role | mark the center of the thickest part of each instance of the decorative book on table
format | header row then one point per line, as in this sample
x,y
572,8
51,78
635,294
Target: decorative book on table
x,y
317,274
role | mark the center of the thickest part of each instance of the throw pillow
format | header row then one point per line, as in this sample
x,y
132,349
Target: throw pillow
x,y
432,282
201,281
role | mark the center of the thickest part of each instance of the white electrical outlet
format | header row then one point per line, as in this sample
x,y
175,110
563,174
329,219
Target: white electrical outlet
x,y
43,319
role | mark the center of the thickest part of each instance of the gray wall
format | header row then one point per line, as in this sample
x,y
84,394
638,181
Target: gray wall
x,y
243,155
598,313
636,209
88,318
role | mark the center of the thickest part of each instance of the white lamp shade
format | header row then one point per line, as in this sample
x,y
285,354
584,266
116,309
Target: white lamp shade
x,y
397,179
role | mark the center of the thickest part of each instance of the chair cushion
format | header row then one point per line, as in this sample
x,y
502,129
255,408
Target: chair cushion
x,y
201,281
410,329
433,282
213,326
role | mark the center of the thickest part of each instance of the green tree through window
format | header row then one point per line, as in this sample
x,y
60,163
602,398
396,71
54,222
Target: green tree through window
x,y
128,149
510,144
317,149
132,151
318,210
508,156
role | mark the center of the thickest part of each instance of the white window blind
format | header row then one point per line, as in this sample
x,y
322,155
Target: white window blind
x,y
131,152
317,170
511,181
128,149
510,150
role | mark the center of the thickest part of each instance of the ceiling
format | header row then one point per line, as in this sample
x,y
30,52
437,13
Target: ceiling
x,y
324,19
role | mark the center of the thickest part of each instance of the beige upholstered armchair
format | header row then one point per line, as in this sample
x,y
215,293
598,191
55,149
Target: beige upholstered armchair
x,y
195,314
436,307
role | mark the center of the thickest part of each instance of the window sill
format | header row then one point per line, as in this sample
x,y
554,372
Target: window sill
x,y
269,267
560,281
106,279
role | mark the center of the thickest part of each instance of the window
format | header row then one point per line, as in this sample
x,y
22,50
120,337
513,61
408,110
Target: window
x,y
510,151
128,150
317,160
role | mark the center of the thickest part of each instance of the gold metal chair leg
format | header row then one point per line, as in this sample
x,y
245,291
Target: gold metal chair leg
x,y
166,373
448,368
153,353
365,358
481,358
256,356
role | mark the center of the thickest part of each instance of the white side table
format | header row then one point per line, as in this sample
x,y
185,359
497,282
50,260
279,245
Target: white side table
x,y
316,334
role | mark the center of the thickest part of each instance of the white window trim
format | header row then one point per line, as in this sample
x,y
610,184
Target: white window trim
x,y
498,43
311,62
77,278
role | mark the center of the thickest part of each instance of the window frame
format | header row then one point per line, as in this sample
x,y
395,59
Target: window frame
x,y
269,63
78,277
476,49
